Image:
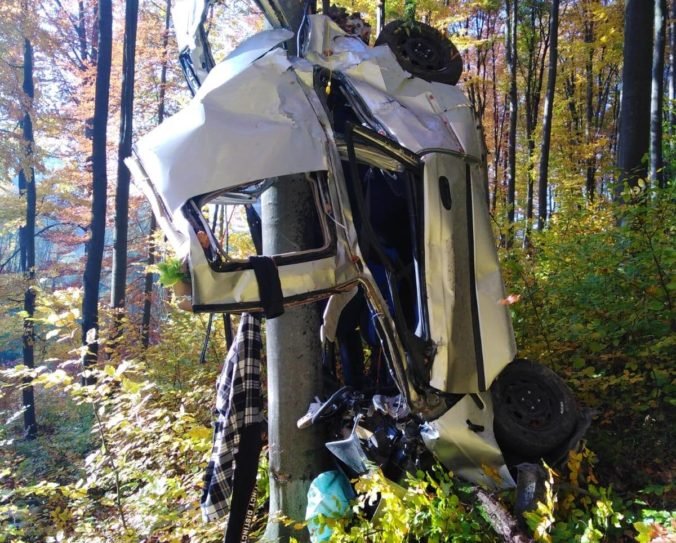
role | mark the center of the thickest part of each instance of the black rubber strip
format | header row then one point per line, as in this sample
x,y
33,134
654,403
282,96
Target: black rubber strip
x,y
476,327
269,285
243,502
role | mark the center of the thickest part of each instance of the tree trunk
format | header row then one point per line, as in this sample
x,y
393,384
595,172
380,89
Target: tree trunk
x,y
293,348
293,361
380,16
94,52
672,68
95,245
512,7
671,169
119,276
27,232
536,46
148,283
634,133
149,278
547,116
498,129
82,30
590,162
657,95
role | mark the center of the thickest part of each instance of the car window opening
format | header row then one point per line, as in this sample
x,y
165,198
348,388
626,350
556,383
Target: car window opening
x,y
228,225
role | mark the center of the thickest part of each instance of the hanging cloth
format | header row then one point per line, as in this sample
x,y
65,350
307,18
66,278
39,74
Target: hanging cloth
x,y
237,428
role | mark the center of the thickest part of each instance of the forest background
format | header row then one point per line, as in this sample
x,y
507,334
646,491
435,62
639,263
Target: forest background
x,y
585,226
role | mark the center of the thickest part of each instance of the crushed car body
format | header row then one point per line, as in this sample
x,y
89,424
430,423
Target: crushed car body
x,y
397,168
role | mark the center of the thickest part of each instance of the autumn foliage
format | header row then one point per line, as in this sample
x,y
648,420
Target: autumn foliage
x,y
592,292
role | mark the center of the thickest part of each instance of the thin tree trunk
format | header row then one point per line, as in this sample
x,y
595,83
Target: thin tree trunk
x,y
672,62
94,52
149,278
590,182
634,133
380,16
95,245
537,44
671,169
547,116
119,275
512,6
498,125
82,30
149,281
27,231
657,95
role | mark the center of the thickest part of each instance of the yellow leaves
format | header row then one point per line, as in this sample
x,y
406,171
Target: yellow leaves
x,y
55,378
61,517
542,519
199,433
132,387
492,472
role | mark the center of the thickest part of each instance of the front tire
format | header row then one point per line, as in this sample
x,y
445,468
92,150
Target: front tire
x,y
535,411
423,51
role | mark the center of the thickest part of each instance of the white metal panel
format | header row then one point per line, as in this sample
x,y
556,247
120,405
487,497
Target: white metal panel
x,y
245,124
468,322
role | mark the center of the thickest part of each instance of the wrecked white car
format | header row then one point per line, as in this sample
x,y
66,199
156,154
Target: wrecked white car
x,y
397,167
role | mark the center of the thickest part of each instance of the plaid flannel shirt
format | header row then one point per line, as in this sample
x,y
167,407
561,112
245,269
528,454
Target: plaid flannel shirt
x,y
238,404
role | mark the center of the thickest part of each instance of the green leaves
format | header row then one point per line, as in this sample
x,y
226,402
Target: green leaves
x,y
172,271
428,507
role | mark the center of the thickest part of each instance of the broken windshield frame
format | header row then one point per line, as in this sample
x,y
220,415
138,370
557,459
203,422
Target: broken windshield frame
x,y
411,319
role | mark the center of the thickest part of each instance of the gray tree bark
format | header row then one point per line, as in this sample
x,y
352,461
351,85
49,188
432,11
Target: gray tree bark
x,y
547,117
657,95
149,278
536,41
634,133
95,245
27,232
511,49
380,16
294,367
118,287
293,349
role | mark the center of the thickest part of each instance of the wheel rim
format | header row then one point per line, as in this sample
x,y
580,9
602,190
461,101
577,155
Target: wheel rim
x,y
530,405
421,51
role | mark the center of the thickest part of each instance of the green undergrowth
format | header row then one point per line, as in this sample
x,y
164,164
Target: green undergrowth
x,y
597,294
123,461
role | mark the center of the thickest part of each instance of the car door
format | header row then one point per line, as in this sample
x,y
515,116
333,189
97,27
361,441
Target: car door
x,y
252,126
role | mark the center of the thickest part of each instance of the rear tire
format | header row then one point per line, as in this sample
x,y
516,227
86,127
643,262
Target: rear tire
x,y
535,411
423,51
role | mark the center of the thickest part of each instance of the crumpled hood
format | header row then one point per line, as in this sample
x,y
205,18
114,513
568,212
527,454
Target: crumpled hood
x,y
249,121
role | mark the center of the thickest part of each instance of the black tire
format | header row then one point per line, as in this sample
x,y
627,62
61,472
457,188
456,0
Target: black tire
x,y
423,51
535,411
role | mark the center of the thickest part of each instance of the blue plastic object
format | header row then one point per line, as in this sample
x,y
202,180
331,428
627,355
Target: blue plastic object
x,y
329,495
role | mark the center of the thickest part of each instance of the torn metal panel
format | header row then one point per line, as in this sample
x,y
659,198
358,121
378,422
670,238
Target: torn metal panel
x,y
418,113
187,16
463,441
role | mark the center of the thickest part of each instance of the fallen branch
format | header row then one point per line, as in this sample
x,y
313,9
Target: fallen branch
x,y
501,520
